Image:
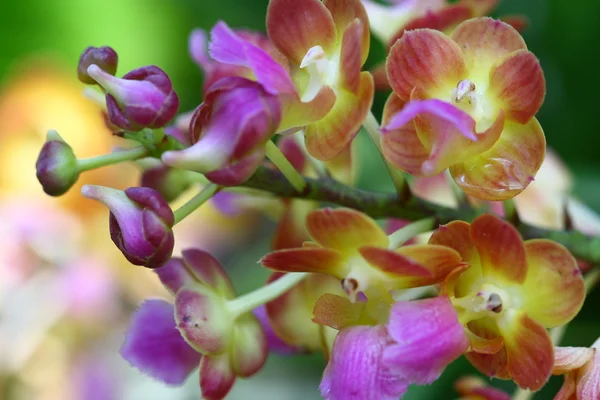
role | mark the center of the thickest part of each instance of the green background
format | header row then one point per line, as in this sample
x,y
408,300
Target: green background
x,y
563,34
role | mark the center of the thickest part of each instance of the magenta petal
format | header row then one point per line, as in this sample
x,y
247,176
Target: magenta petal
x,y
229,48
440,109
355,370
154,346
428,337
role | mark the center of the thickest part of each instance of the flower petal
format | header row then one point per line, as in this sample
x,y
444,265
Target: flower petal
x,y
337,312
327,137
344,229
216,376
444,135
229,48
154,345
355,371
344,12
401,146
488,363
291,230
296,113
500,248
250,348
324,261
475,388
207,270
508,167
529,349
290,315
275,343
485,40
428,337
518,81
350,57
570,358
568,389
588,386
296,26
425,59
553,292
392,263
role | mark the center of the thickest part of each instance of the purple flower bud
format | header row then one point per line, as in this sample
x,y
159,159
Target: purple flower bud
x,y
56,167
140,223
143,98
104,57
169,182
229,132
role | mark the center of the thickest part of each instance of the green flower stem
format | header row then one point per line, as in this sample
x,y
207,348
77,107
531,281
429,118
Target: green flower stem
x,y
192,205
262,295
86,164
372,127
399,237
384,205
284,165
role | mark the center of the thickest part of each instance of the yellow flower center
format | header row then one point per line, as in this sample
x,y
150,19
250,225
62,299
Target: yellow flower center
x,y
488,301
471,98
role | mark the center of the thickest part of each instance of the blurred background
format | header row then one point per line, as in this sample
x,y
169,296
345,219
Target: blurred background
x,y
66,294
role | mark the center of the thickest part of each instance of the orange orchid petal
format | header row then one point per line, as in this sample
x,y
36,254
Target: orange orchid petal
x,y
290,315
493,365
393,264
570,358
500,247
448,287
485,346
508,167
402,147
425,59
345,165
439,260
529,349
485,40
350,57
519,83
588,386
296,113
346,11
327,137
344,229
325,261
457,235
291,231
337,312
296,26
553,292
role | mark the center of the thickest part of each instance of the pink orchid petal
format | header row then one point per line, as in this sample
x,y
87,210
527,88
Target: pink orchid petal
x,y
437,108
229,48
154,345
428,337
355,371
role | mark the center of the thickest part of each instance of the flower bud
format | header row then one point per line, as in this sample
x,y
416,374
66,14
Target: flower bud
x,y
203,319
143,98
56,166
104,57
229,131
140,223
169,182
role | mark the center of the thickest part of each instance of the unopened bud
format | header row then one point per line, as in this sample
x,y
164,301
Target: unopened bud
x,y
141,223
104,57
143,98
56,166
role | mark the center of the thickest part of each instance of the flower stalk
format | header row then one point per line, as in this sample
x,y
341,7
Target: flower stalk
x,y
402,235
87,164
283,164
195,202
260,296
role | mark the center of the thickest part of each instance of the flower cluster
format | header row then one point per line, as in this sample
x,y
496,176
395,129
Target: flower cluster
x,y
280,115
